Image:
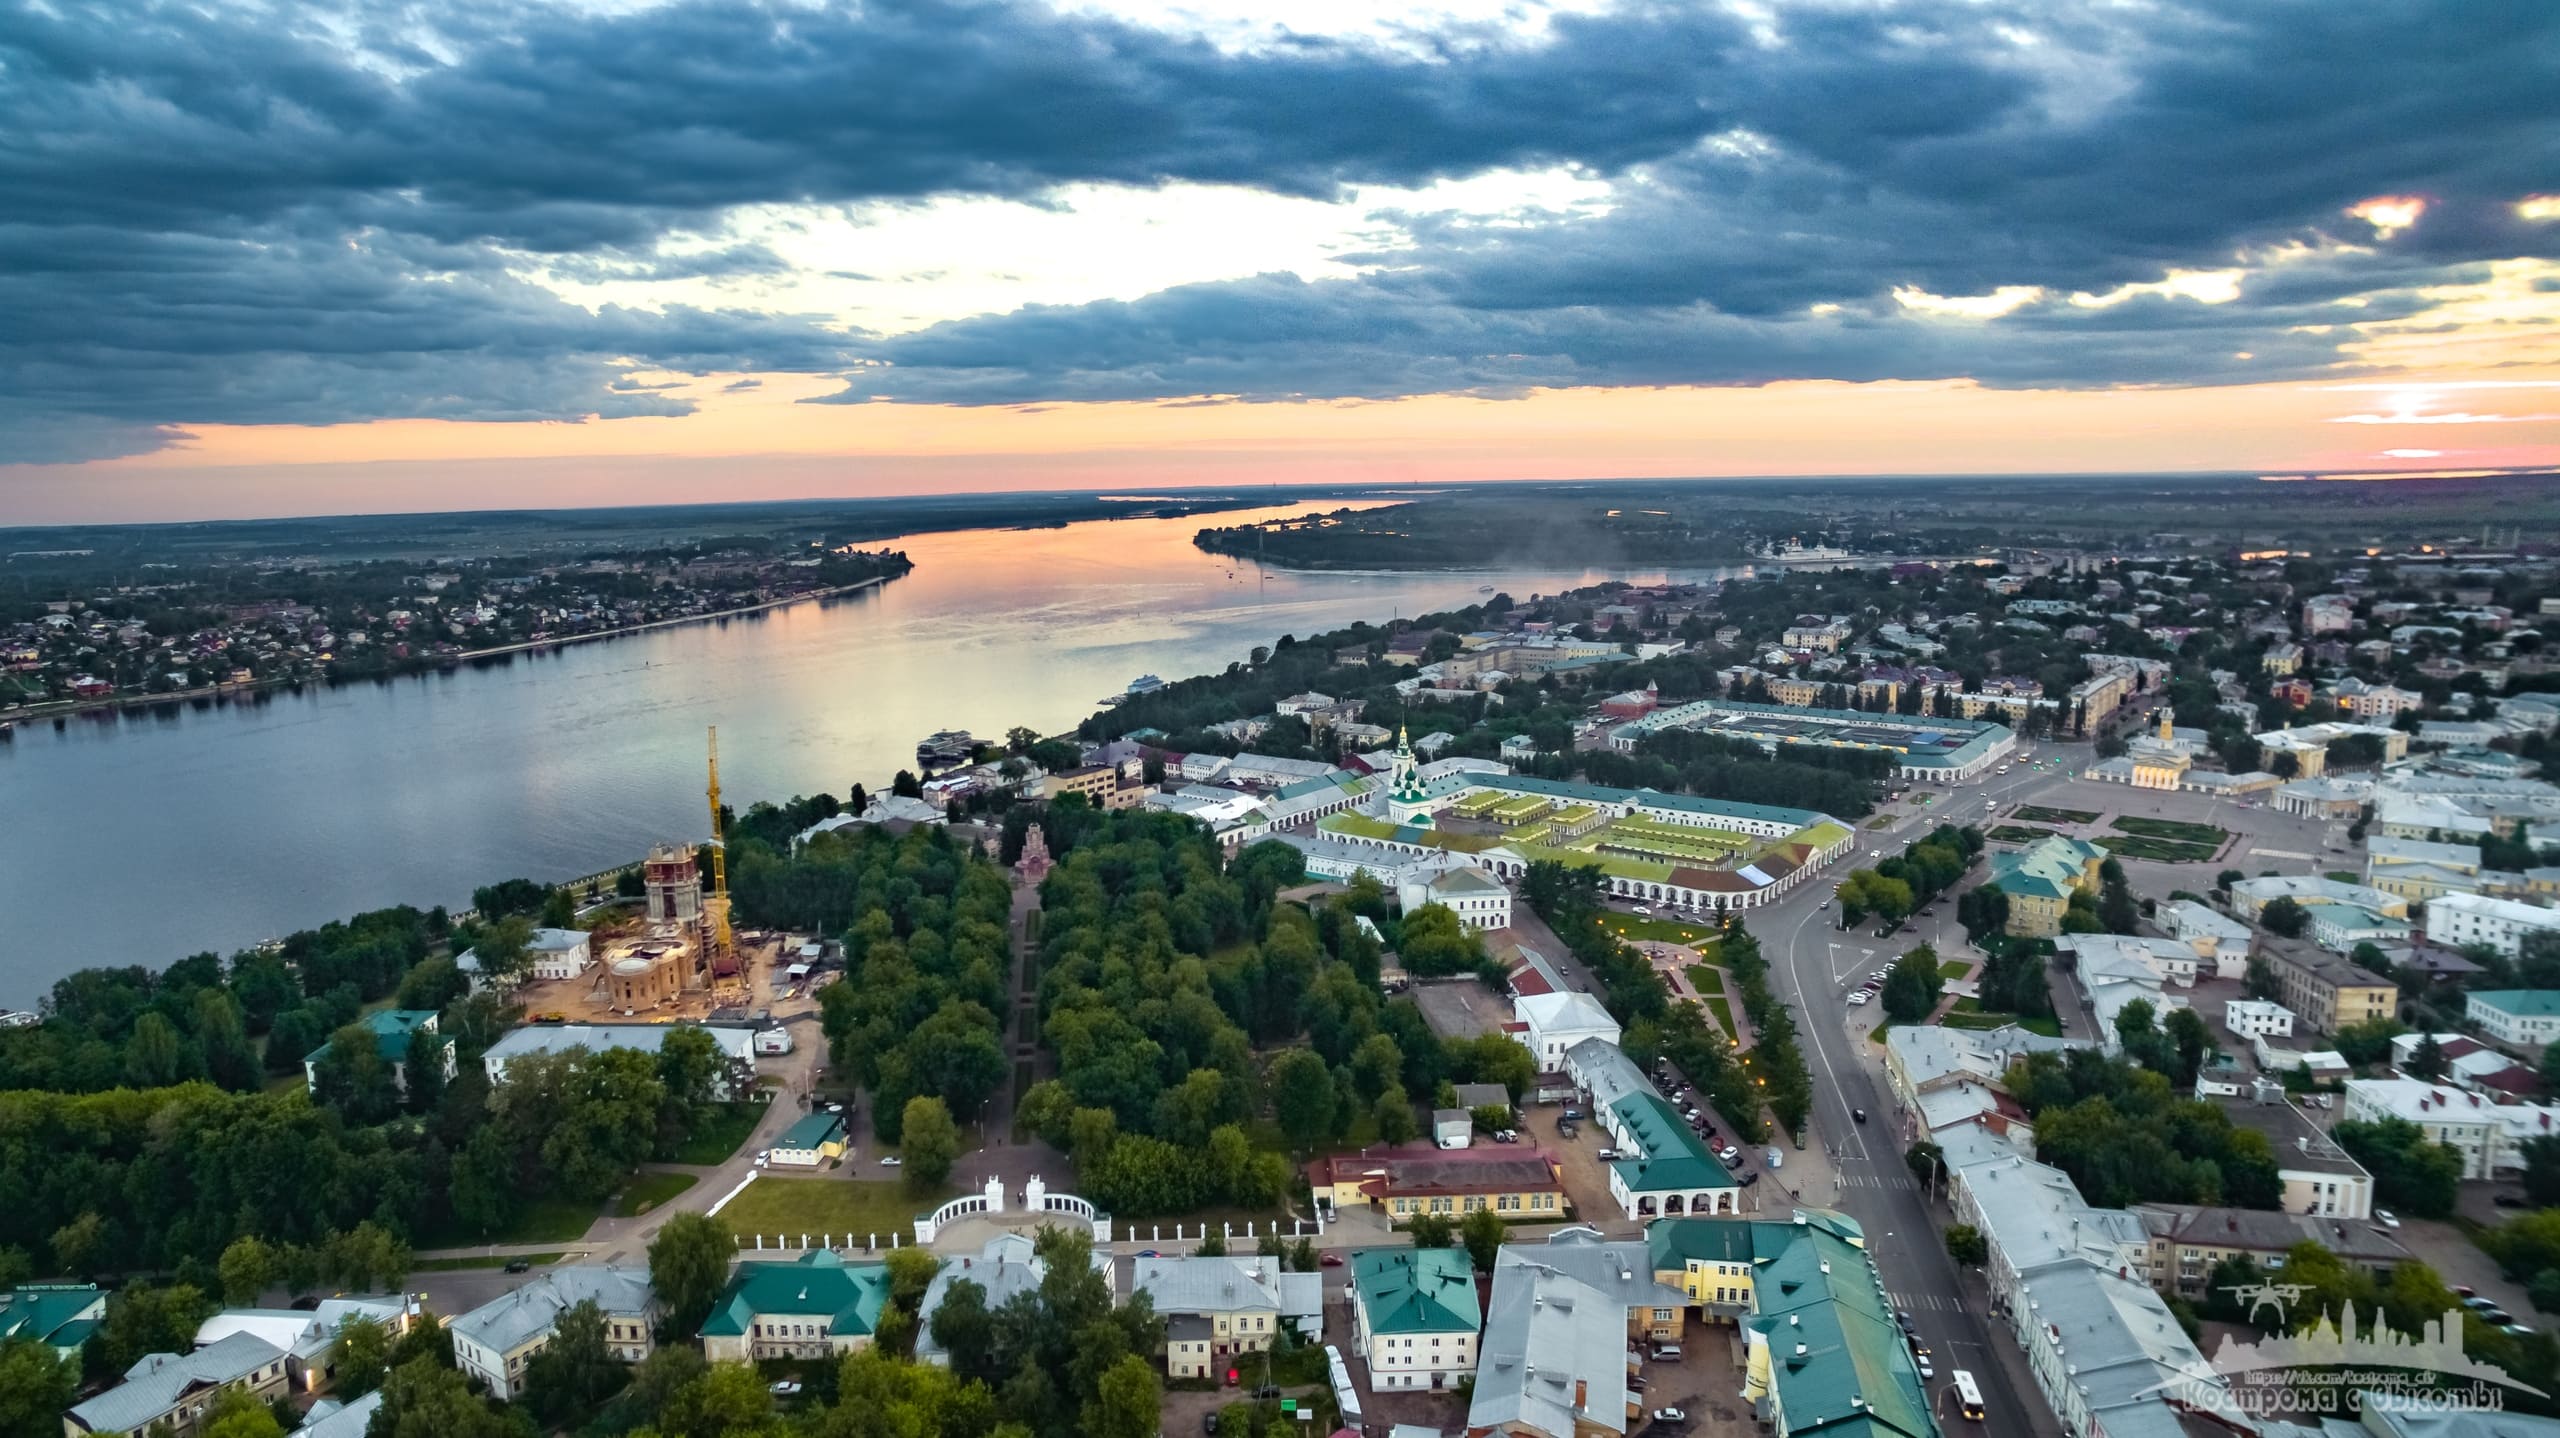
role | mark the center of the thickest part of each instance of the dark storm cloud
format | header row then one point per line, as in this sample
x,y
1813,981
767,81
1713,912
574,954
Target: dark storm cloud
x,y
228,213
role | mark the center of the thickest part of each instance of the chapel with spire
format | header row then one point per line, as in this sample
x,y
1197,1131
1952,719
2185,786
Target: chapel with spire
x,y
1408,802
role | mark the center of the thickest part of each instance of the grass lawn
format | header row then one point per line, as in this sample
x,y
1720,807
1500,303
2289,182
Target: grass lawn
x,y
2018,834
544,1220
2177,829
2159,851
796,1206
457,1265
1953,968
2343,876
2044,815
1665,931
1724,1015
722,1132
649,1190
1706,979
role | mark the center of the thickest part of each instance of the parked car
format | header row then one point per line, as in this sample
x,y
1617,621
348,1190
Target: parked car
x,y
784,1388
1669,1415
1330,1260
891,1160
2516,1330
2465,1291
2386,1218
1928,1370
1750,1178
1729,1153
1267,1390
1573,1113
519,1265
2474,1301
1608,1153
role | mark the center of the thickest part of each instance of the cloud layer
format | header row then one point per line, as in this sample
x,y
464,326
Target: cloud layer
x,y
237,214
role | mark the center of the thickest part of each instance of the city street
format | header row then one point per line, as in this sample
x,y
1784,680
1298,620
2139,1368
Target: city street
x,y
1813,964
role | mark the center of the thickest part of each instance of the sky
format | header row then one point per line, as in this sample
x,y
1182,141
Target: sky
x,y
275,258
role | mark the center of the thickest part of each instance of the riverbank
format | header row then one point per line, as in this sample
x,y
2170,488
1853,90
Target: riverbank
x,y
60,708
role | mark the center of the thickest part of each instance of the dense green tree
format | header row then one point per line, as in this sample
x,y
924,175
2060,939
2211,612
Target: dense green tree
x,y
1431,1230
248,1267
424,1399
2284,917
2410,1172
1913,985
728,1399
1303,1097
576,1370
931,1143
35,1386
1128,1401
1965,1244
360,1356
1483,1232
238,1413
688,1264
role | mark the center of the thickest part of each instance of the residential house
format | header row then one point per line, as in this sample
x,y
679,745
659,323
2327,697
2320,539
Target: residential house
x,y
817,1306
1553,1359
2469,1123
2326,993
494,1342
2040,880
1553,1023
2457,920
2318,1176
394,1031
1218,1308
1009,1264
1480,900
2188,1241
2058,1265
2252,1018
2515,1016
1414,1316
170,1393
308,1338
1406,1181
2214,936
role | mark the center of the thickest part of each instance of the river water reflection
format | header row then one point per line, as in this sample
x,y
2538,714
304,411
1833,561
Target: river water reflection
x,y
143,837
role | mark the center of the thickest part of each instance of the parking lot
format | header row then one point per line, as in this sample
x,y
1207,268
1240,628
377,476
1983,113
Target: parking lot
x,y
1461,1008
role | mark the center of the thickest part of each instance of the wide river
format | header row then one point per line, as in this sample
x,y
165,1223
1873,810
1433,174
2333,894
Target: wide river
x,y
141,838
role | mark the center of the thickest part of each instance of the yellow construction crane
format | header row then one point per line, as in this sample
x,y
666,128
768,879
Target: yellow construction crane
x,y
715,909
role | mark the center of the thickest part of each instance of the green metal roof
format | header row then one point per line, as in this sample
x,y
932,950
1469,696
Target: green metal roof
x,y
2046,869
1417,1290
391,1029
1668,1155
847,1296
49,1313
818,1128
2523,1003
1854,1372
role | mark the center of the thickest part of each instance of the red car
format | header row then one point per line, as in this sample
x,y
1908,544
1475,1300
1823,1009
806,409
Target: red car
x,y
1331,1260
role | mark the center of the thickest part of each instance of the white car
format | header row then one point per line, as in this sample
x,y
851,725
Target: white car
x,y
1927,1369
2386,1218
1641,909
890,1160
785,1388
1669,1415
1860,997
1730,1153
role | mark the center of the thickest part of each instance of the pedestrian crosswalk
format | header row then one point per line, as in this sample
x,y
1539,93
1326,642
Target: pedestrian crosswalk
x,y
1928,1302
1878,1180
